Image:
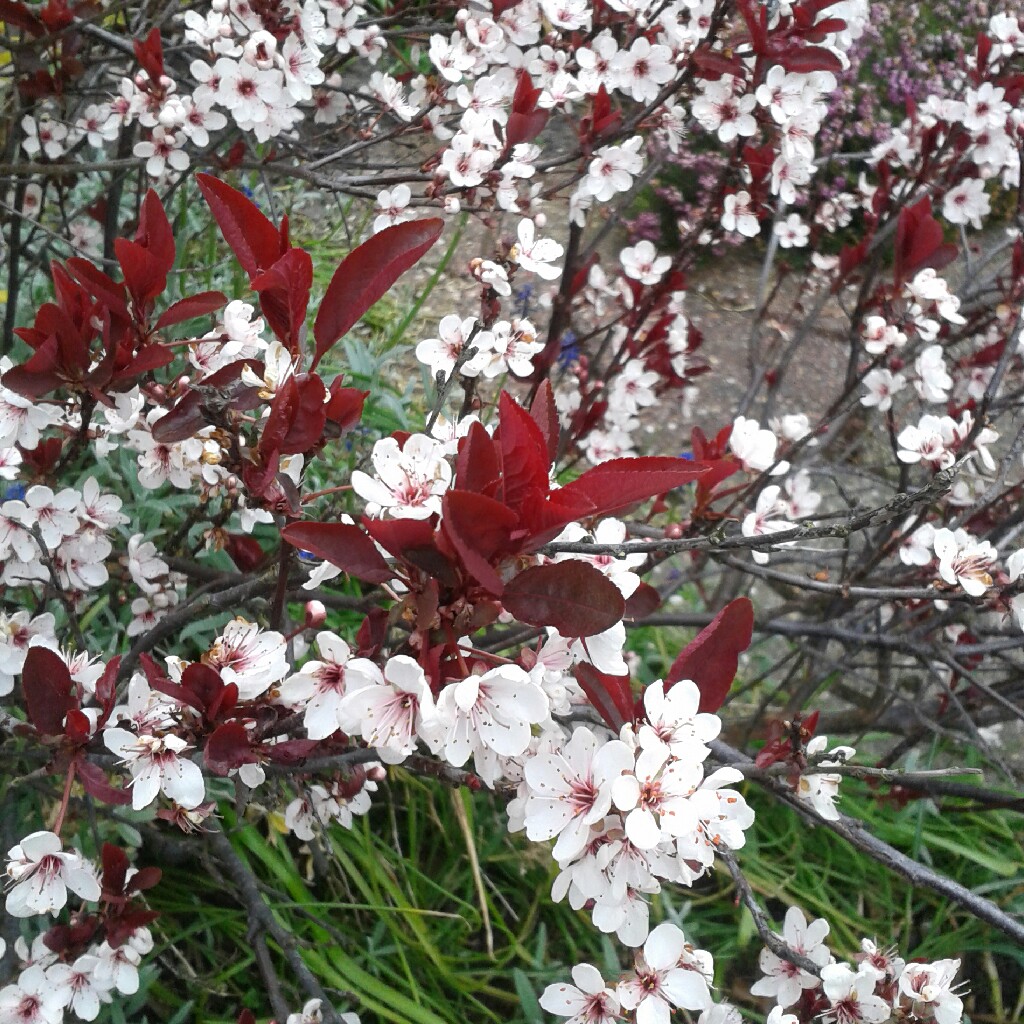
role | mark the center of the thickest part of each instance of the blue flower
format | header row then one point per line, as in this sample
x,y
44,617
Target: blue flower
x,y
523,297
569,351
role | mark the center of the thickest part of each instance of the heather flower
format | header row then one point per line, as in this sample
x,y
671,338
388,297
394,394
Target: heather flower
x,y
792,232
612,169
880,386
536,254
78,987
394,207
442,353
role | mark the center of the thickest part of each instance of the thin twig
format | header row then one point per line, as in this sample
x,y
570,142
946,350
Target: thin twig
x,y
773,941
856,835
62,594
262,920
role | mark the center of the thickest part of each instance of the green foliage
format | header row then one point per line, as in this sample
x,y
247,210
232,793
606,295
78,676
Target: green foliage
x,y
393,918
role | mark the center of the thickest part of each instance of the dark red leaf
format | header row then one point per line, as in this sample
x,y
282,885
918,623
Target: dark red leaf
x,y
245,551
17,14
109,292
225,386
121,927
35,378
479,528
142,271
144,878
573,596
345,407
372,633
524,462
366,274
710,659
713,64
477,467
253,238
524,127
190,308
151,357
284,295
343,545
808,59
115,871
644,601
542,521
919,242
95,782
229,747
545,415
414,542
201,687
622,482
149,52
611,696
297,417
48,689
106,688
291,751
155,234
307,420
77,726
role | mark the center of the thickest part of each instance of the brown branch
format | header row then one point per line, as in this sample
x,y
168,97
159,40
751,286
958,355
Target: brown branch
x,y
771,939
200,605
262,921
895,508
856,835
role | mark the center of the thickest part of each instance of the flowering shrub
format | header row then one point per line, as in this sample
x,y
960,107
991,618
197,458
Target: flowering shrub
x,y
232,585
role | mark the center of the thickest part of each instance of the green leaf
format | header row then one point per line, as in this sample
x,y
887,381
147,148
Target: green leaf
x,y
527,997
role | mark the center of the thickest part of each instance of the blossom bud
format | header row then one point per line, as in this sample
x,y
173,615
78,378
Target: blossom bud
x,y
316,614
452,204
376,773
259,50
540,219
673,531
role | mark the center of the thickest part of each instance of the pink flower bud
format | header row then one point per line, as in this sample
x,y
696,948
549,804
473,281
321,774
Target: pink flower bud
x,y
316,614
